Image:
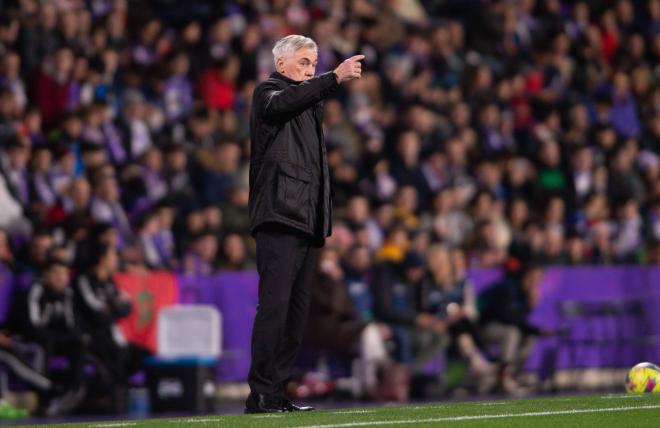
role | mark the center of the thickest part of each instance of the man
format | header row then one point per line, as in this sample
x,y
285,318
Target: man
x,y
100,305
504,309
335,325
44,316
51,321
419,335
289,207
25,361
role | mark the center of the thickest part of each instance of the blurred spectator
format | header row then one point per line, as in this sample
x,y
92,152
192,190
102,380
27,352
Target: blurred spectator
x,y
336,325
448,296
234,253
49,320
100,304
417,334
51,87
503,310
217,84
358,269
200,260
106,208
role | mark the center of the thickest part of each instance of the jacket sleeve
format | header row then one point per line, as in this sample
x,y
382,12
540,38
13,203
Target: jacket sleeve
x,y
277,102
95,307
38,317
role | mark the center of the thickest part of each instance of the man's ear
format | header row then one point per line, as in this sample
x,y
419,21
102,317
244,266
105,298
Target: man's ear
x,y
279,65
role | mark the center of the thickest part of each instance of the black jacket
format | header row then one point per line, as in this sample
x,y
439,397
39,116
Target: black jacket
x,y
98,303
289,178
48,313
506,303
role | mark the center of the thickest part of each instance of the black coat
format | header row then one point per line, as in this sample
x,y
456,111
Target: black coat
x,y
289,178
506,303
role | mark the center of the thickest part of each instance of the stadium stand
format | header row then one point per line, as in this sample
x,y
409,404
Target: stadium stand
x,y
497,133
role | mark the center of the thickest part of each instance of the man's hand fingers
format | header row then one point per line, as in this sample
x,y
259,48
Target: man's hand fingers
x,y
355,58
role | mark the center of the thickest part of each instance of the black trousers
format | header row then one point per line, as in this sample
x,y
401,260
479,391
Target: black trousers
x,y
286,261
70,344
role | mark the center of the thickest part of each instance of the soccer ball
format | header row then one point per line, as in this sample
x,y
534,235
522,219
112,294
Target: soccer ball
x,y
644,377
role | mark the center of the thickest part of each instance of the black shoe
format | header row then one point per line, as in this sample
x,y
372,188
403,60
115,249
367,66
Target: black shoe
x,y
290,406
263,403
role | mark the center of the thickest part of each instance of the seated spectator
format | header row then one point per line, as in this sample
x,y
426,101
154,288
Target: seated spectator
x,y
200,259
52,85
152,174
216,84
576,249
234,254
136,132
148,238
106,207
25,361
395,246
358,270
15,159
221,167
35,255
235,211
628,238
450,297
336,325
100,304
177,177
417,334
503,309
46,317
42,192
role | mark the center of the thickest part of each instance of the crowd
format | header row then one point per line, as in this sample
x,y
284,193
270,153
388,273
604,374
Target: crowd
x,y
480,132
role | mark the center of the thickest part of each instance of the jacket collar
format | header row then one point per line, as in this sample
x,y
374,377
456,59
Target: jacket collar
x,y
280,76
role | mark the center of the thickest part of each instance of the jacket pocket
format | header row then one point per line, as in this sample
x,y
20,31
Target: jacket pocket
x,y
292,200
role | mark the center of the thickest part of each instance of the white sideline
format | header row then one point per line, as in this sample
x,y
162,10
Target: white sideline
x,y
479,417
113,424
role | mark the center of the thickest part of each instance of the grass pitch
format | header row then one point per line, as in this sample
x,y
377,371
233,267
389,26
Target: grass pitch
x,y
618,410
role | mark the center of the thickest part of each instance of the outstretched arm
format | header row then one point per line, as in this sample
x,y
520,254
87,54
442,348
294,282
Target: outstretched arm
x,y
306,94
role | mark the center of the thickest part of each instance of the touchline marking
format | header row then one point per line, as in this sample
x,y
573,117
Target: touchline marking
x,y
623,396
115,424
197,420
478,417
270,415
350,412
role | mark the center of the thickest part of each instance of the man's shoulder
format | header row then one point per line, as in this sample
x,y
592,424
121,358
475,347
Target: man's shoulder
x,y
270,83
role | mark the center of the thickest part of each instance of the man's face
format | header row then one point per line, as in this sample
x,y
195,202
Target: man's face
x,y
300,65
111,261
57,278
530,284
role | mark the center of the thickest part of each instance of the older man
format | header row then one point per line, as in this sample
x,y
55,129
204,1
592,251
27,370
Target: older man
x,y
290,209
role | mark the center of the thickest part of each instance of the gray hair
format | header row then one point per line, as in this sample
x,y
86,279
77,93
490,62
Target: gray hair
x,y
289,44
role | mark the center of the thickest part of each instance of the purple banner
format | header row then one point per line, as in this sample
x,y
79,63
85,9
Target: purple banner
x,y
235,294
597,340
610,314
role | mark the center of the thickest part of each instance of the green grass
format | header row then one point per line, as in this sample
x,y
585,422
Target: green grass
x,y
606,411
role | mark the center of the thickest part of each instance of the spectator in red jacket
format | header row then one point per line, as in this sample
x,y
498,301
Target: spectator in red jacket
x,y
217,84
52,84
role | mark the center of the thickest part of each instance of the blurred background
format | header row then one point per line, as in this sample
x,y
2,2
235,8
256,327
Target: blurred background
x,y
496,176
